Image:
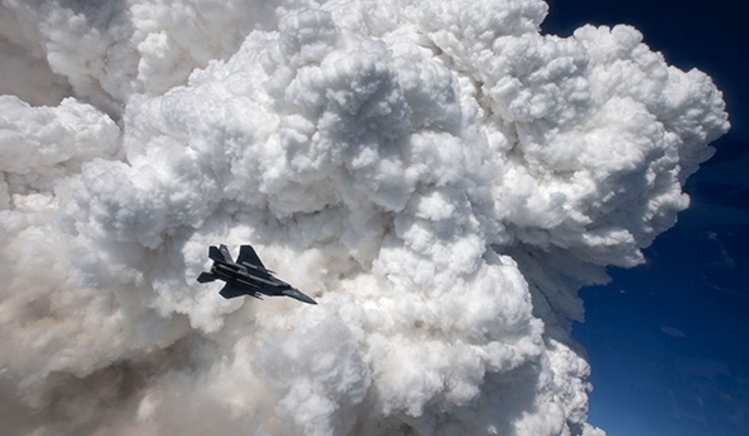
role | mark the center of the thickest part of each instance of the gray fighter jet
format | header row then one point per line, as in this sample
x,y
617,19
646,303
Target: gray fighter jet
x,y
247,276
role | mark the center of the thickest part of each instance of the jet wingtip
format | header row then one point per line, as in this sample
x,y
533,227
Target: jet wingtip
x,y
206,277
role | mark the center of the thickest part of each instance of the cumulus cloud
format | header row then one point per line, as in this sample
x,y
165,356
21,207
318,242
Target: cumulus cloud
x,y
441,178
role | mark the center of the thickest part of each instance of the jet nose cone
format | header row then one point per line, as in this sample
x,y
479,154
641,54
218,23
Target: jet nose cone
x,y
298,295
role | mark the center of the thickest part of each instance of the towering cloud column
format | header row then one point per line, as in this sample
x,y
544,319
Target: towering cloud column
x,y
441,177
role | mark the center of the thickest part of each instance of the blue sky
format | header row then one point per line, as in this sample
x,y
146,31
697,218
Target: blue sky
x,y
369,156
667,340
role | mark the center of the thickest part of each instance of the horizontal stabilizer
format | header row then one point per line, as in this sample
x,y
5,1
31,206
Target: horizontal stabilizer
x,y
230,291
206,277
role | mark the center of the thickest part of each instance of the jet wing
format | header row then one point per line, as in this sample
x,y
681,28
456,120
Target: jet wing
x,y
230,291
206,277
247,255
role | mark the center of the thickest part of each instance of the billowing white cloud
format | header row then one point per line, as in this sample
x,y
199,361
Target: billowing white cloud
x,y
442,178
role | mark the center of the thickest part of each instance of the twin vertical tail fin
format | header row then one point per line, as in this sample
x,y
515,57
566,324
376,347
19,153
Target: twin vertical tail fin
x,y
220,254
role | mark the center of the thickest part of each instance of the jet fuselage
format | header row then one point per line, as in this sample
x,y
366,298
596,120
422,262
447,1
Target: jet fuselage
x,y
247,276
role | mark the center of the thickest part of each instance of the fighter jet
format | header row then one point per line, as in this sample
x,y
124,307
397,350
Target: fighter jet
x,y
247,276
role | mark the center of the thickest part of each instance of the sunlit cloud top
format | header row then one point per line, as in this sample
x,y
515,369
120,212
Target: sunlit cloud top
x,y
440,177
